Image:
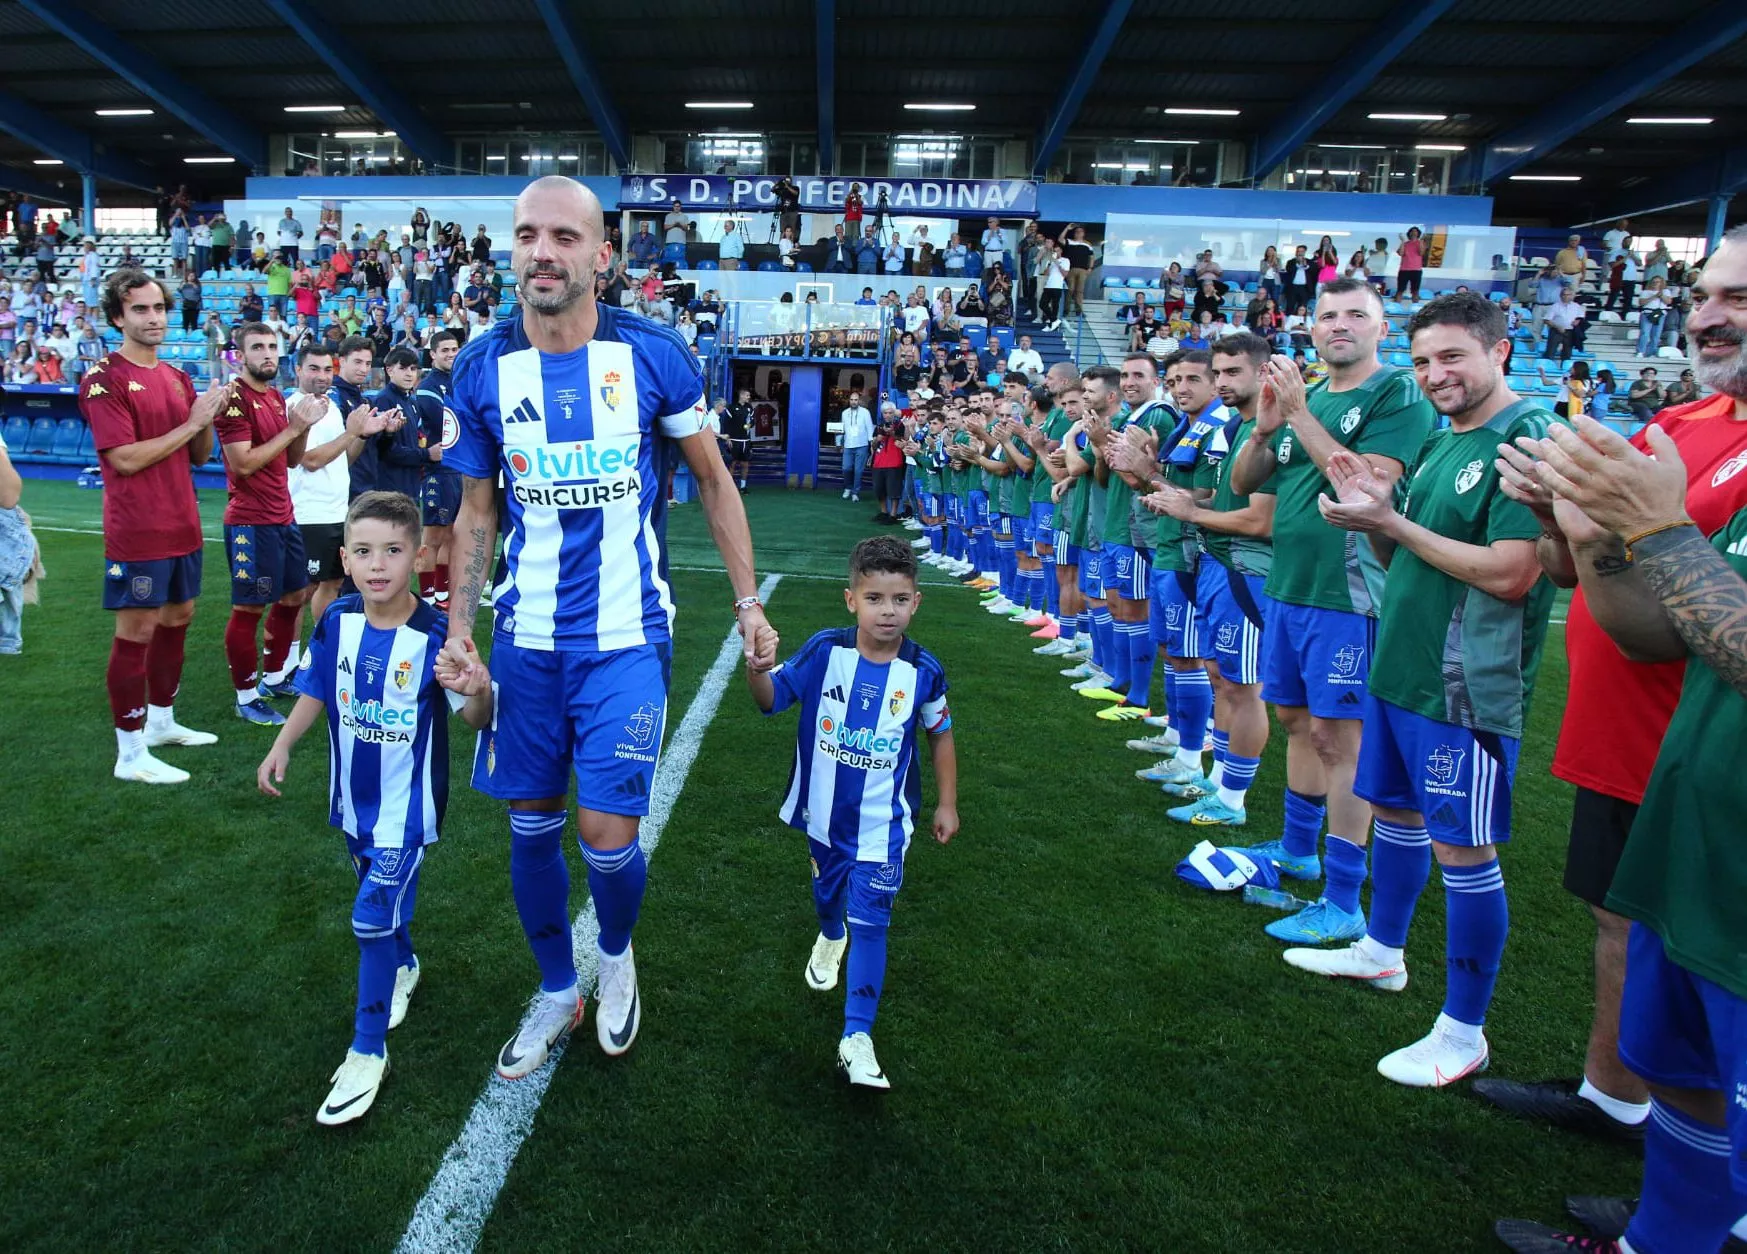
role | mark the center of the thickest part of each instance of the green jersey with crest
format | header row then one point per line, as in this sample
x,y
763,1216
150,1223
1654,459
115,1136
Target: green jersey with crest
x,y
1247,555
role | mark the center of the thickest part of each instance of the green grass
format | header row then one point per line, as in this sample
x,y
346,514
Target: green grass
x,y
1087,1054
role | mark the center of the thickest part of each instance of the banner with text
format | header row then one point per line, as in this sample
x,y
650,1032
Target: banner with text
x,y
950,197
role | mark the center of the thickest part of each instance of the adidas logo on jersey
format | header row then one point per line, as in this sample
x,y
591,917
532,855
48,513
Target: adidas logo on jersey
x,y
835,694
1738,549
525,412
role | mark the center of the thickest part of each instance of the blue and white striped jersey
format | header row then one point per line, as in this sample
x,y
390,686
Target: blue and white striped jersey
x,y
388,722
856,783
576,437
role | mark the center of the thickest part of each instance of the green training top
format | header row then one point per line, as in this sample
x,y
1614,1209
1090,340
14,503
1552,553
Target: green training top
x,y
1445,649
1054,428
1247,555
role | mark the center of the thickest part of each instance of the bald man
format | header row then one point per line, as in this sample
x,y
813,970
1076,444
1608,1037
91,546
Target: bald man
x,y
581,408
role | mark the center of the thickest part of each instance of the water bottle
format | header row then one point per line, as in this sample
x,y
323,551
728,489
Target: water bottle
x,y
1272,898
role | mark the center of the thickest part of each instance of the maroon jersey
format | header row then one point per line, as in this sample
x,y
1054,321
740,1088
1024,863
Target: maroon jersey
x,y
253,417
150,515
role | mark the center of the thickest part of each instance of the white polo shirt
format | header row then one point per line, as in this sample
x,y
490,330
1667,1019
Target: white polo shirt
x,y
321,496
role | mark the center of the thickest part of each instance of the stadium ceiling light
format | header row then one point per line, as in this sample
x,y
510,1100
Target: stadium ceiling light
x,y
1408,117
363,134
125,113
207,160
1207,113
1670,121
496,156
1167,141
1545,178
924,106
1440,147
1365,147
718,104
48,161
316,108
568,156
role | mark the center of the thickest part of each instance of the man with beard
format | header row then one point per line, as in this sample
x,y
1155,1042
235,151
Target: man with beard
x,y
581,408
261,440
1458,645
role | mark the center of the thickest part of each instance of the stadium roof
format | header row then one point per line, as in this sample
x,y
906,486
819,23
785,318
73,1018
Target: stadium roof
x,y
1533,90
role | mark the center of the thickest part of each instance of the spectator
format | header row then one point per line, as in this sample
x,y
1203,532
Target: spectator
x,y
48,365
1079,256
1624,268
1207,300
1207,268
1566,322
1645,395
178,243
840,248
1298,327
852,208
290,235
278,284
45,258
675,226
1682,392
327,238
733,246
994,244
786,249
998,295
1572,263
1054,281
1657,263
201,236
88,351
249,306
971,305
1026,359
223,236
481,248
1601,396
954,258
1574,390
421,226
90,273
1267,278
921,252
653,303
1377,264
892,259
456,317
21,363
947,324
258,252
853,436
644,248
1653,308
190,295
1300,277
1616,240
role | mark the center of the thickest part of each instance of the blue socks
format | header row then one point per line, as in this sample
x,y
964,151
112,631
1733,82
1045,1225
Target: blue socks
x,y
1103,640
1304,815
1194,708
1171,714
867,977
1141,652
1477,922
1689,1200
1052,592
1007,565
1238,774
1084,621
376,968
1222,750
615,880
540,883
1343,872
1116,652
1068,627
1401,863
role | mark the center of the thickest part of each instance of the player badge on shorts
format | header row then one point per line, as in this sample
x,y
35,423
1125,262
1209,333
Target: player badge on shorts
x,y
386,861
610,389
641,730
1469,475
491,756
1444,764
403,674
896,704
1346,661
141,588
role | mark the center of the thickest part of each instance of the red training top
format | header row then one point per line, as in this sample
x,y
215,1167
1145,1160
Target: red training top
x,y
888,454
1598,748
150,515
251,417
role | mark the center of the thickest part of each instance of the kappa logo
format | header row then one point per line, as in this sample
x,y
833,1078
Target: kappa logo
x,y
1347,660
115,571
1729,469
1350,420
134,385
1444,765
1469,475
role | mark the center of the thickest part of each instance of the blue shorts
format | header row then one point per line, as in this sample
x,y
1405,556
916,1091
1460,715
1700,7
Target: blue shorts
x,y
1233,610
1316,659
1066,554
1092,573
1126,570
600,715
148,585
1682,1031
955,509
862,892
388,886
929,504
1175,622
440,498
1458,778
976,516
1022,531
266,561
1042,515
1003,527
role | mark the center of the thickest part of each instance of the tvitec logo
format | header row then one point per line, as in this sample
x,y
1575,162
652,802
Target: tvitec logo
x,y
581,475
857,746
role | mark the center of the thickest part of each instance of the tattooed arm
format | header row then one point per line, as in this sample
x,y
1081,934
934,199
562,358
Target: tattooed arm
x,y
1702,596
1623,604
470,552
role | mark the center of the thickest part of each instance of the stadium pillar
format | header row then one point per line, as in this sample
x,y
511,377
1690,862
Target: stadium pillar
x,y
805,424
1716,222
88,204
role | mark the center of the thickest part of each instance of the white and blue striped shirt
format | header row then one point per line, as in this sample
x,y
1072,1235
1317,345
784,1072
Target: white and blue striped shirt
x,y
577,438
388,727
856,783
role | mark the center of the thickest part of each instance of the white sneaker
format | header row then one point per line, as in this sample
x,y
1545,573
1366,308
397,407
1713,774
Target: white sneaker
x,y
1351,962
1097,679
846,494
932,558
822,964
354,1090
405,980
1436,1059
1000,605
1080,670
857,1064
1165,742
617,1012
910,524
143,768
1084,644
919,544
547,1023
855,496
1055,648
170,732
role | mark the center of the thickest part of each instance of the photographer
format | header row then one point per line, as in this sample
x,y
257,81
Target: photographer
x,y
788,207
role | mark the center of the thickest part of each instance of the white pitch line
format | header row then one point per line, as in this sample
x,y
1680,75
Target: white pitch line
x,y
453,1211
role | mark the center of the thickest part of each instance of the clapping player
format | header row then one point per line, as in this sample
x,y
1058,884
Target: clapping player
x,y
375,665
856,785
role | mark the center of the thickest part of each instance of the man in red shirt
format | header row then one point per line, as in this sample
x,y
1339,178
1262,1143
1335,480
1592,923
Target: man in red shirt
x,y
149,431
1615,715
267,563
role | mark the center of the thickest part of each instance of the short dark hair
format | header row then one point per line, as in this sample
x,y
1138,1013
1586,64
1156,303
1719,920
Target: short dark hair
x,y
401,356
119,284
1471,311
245,331
355,344
1040,397
1146,357
1243,344
1017,376
1106,374
395,508
882,555
1191,357
1340,287
313,348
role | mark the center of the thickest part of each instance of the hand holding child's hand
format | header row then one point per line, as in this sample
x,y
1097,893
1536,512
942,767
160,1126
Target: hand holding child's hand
x,y
459,669
761,656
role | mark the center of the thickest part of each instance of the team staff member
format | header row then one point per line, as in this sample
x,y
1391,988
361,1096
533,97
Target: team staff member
x,y
149,432
441,490
403,450
261,440
1326,587
737,435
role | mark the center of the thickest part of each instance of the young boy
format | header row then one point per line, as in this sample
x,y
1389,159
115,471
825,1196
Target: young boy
x,y
372,666
856,787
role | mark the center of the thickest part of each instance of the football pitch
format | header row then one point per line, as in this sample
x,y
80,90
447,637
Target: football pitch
x,y
1086,1053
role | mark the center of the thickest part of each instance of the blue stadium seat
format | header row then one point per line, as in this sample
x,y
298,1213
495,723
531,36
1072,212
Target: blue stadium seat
x,y
673,252
1004,337
1142,283
66,444
803,267
1117,295
87,445
706,264
17,432
978,336
769,266
42,436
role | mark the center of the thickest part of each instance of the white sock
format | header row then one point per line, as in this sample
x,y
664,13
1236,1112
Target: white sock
x,y
1632,1113
246,695
1466,1034
565,997
160,715
292,658
1231,797
1216,775
1382,955
129,744
1189,757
